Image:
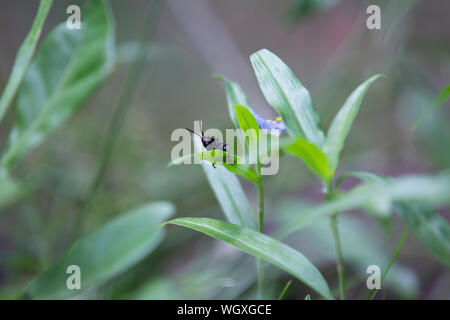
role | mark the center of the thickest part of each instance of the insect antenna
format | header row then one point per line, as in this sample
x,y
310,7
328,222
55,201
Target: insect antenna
x,y
193,132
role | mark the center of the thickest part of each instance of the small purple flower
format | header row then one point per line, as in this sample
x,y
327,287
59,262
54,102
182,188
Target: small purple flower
x,y
277,124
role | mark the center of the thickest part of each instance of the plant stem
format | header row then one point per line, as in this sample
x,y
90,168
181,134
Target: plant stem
x,y
399,245
339,257
259,262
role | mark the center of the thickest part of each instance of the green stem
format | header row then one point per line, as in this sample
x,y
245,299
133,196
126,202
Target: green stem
x,y
339,256
259,262
285,289
399,245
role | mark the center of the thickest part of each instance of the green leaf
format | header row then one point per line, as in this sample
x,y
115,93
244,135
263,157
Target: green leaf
x,y
248,122
69,66
312,156
343,121
380,195
218,157
263,247
246,119
230,195
235,96
24,56
431,229
284,92
107,251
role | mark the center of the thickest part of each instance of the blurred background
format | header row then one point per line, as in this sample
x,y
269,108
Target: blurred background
x,y
330,49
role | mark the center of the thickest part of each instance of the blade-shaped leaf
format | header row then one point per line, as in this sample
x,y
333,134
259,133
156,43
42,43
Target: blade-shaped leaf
x,y
382,195
24,56
285,93
432,230
229,193
107,251
343,121
263,247
235,96
69,66
312,156
246,119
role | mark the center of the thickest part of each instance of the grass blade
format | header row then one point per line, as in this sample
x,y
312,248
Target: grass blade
x,y
24,56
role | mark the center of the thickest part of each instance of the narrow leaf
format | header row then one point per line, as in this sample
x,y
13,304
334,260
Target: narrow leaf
x,y
24,56
263,247
430,227
229,193
312,156
343,121
235,96
383,194
69,66
105,252
285,93
246,119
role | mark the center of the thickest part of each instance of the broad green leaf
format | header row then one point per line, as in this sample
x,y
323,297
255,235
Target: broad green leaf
x,y
10,190
312,156
218,157
69,66
432,230
235,96
381,195
24,56
107,251
263,247
284,92
343,121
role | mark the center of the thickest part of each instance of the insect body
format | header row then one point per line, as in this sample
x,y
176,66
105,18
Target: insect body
x,y
210,143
